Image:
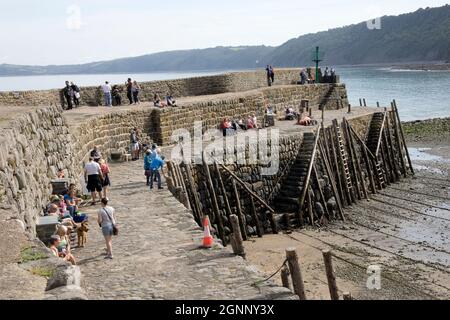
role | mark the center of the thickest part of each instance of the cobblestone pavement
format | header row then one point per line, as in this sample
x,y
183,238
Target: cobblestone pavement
x,y
157,255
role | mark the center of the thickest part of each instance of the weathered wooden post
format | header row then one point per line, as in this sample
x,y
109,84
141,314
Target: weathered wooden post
x,y
364,100
296,274
330,275
347,296
241,216
215,205
403,138
285,277
378,104
360,102
349,108
236,237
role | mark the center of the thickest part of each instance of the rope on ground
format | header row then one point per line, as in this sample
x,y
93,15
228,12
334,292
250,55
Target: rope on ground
x,y
256,283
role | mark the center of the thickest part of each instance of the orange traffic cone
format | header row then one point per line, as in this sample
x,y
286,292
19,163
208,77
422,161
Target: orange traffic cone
x,y
207,238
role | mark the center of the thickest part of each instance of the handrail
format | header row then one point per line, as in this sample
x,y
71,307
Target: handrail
x,y
381,133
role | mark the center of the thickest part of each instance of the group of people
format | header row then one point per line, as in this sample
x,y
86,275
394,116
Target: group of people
x,y
113,94
169,101
230,127
72,95
65,207
97,175
329,76
153,164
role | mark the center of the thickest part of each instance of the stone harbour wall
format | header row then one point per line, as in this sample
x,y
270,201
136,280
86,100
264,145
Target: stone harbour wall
x,y
32,148
213,109
196,86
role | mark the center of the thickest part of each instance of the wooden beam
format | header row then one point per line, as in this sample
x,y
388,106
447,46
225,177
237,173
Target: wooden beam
x,y
357,163
256,197
403,139
242,220
333,186
223,190
307,177
322,197
215,205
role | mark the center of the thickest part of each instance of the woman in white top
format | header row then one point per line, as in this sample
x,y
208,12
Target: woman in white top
x,y
93,176
107,221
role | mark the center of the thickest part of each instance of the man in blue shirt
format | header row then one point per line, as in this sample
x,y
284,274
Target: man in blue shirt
x,y
156,165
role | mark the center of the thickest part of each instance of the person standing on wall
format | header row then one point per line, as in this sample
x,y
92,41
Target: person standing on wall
x,y
272,74
129,85
68,95
269,79
76,94
107,94
135,89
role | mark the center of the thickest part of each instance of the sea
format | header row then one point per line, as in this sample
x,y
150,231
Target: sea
x,y
419,94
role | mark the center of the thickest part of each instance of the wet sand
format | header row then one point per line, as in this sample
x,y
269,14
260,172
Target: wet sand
x,y
405,230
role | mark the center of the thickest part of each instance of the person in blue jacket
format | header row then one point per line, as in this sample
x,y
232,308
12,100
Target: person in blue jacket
x,y
156,165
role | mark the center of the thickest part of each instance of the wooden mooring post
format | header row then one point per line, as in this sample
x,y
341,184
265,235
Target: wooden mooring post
x,y
237,242
334,294
296,274
285,277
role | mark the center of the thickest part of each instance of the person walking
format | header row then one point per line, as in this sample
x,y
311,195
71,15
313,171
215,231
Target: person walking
x,y
76,94
93,176
107,94
134,145
106,182
107,222
157,164
135,89
148,165
68,95
129,85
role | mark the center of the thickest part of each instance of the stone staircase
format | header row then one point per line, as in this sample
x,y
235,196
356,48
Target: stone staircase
x,y
288,198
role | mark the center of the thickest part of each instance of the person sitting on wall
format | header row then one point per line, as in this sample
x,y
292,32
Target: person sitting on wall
x,y
55,243
64,245
54,211
290,114
242,125
250,124
157,101
60,174
170,100
71,202
226,127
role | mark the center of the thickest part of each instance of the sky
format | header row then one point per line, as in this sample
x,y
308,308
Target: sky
x,y
71,32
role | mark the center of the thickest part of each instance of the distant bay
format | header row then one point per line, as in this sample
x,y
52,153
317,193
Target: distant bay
x,y
419,94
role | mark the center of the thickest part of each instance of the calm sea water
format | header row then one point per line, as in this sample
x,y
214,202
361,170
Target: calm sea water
x,y
419,94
